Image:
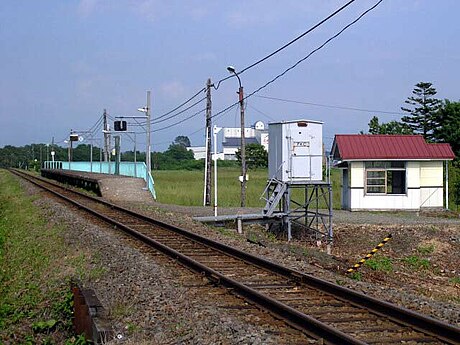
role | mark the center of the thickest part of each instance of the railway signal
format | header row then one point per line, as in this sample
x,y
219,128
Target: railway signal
x,y
120,126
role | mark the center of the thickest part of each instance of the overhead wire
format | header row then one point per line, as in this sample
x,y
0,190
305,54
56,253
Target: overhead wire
x,y
331,106
303,59
182,104
204,127
157,120
98,122
224,110
162,118
289,43
260,112
314,50
178,122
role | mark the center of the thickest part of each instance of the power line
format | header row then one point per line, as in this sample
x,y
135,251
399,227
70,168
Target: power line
x,y
260,112
182,104
228,108
331,106
98,122
202,128
289,43
315,50
224,110
301,60
255,64
176,123
180,112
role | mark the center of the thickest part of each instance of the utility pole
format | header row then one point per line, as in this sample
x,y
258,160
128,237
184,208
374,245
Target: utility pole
x,y
52,151
207,178
147,153
106,136
70,149
118,154
243,149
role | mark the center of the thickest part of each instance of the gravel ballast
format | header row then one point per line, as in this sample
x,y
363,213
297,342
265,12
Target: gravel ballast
x,y
152,300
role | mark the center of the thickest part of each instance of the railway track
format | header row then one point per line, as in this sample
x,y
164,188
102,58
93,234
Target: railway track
x,y
319,308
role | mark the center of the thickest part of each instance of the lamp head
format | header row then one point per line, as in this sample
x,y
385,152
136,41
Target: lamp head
x,y
231,69
142,110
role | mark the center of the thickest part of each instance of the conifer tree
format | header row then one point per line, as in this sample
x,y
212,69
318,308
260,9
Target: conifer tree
x,y
421,115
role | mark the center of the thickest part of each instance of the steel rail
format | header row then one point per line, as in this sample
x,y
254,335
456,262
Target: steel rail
x,y
426,324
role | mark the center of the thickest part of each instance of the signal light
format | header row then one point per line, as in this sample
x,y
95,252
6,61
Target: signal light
x,y
73,137
120,126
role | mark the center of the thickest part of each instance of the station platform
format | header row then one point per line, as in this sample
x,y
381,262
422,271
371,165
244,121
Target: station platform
x,y
111,187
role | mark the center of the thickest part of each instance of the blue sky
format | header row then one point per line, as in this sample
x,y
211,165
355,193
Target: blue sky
x,y
63,62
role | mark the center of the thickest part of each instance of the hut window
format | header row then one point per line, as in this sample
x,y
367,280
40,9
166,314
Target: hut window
x,y
385,178
376,182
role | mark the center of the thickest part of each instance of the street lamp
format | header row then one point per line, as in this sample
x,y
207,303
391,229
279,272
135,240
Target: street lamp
x,y
232,70
148,163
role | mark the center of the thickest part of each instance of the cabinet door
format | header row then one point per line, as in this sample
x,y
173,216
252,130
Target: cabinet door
x,y
299,155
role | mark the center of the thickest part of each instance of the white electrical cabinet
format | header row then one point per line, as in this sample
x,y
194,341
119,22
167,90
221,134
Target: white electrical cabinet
x,y
296,151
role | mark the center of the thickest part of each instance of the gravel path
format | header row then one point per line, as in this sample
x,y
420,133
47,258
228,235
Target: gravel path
x,y
339,216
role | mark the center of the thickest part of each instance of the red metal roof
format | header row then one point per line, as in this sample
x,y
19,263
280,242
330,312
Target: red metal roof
x,y
372,147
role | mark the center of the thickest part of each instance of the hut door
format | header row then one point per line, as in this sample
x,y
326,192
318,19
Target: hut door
x,y
300,157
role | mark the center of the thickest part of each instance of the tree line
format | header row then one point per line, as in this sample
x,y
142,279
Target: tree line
x,y
178,156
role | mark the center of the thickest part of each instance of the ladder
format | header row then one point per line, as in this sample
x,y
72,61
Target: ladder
x,y
275,196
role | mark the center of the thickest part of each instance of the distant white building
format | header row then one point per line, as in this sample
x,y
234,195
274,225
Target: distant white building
x,y
257,134
199,152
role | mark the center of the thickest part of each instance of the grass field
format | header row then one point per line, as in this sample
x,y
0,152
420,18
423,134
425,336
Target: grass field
x,y
183,187
33,293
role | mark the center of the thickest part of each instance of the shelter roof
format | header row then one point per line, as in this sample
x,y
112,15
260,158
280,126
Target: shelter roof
x,y
388,147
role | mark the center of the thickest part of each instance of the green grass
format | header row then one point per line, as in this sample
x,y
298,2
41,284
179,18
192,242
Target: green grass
x,y
416,262
455,280
380,263
426,250
183,187
356,276
35,305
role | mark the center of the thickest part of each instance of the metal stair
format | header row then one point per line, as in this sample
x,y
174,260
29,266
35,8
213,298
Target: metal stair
x,y
275,197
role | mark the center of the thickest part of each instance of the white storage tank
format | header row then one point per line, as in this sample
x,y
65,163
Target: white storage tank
x,y
295,150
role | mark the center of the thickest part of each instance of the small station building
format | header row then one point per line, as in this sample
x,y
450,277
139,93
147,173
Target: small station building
x,y
391,172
